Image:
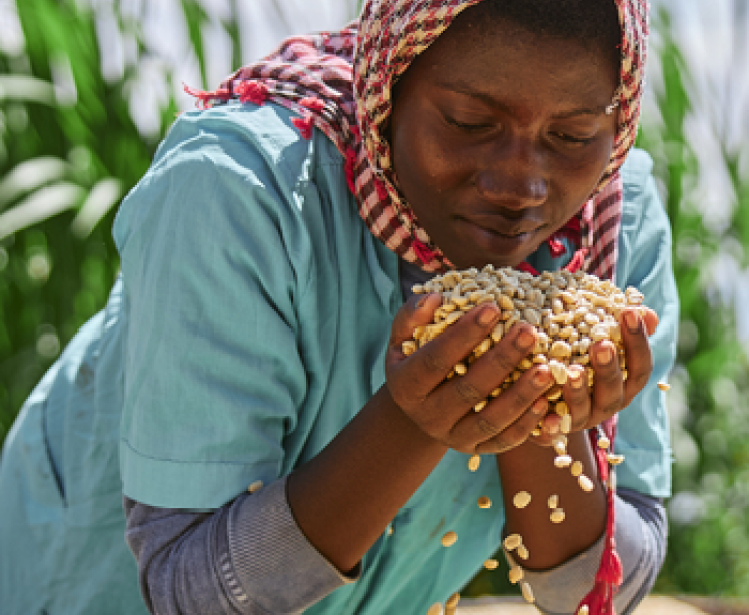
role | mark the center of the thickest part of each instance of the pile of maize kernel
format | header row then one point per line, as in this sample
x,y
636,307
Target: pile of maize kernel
x,y
570,311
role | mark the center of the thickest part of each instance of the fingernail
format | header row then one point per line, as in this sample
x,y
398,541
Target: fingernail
x,y
576,379
604,356
539,406
488,315
541,379
552,428
422,302
633,322
525,338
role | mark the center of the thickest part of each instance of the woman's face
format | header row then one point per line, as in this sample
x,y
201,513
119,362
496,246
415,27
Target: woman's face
x,y
498,139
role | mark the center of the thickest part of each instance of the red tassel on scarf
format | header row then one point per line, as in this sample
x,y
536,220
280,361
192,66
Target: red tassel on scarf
x,y
556,247
252,91
527,268
600,600
312,103
578,260
205,98
304,125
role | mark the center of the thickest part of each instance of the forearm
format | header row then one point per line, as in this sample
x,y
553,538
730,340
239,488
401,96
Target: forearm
x,y
531,468
641,532
345,497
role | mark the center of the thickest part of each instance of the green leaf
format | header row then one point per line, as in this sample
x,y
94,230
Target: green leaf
x,y
27,89
231,27
39,206
104,195
31,175
196,18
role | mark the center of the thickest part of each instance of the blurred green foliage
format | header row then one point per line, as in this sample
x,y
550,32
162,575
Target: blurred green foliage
x,y
708,544
69,151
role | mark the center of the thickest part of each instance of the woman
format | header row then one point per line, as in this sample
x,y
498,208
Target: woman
x,y
254,335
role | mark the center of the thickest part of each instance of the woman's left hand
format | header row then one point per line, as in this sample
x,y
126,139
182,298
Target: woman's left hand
x,y
611,393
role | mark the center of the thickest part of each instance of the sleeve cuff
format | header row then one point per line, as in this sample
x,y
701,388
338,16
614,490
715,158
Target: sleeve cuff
x,y
558,591
269,562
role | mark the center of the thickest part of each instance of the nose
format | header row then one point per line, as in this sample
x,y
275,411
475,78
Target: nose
x,y
513,175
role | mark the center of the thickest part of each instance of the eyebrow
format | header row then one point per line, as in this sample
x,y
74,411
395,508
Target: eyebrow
x,y
460,88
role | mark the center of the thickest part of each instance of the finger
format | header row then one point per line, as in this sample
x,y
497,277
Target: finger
x,y
608,385
502,359
576,395
516,433
637,351
417,311
489,370
551,424
427,368
500,419
651,320
544,439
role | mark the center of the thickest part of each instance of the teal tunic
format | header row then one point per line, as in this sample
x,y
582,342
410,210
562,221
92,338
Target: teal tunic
x,y
248,327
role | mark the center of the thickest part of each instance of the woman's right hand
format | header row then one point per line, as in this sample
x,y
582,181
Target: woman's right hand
x,y
443,409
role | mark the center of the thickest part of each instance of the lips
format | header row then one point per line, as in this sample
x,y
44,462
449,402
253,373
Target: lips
x,y
503,225
500,239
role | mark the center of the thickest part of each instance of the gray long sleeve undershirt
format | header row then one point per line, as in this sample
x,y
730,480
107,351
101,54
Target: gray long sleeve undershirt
x,y
251,558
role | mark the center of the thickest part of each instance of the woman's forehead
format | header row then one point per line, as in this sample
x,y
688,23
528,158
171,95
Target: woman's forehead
x,y
496,65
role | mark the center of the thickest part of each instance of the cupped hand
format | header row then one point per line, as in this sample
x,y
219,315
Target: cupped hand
x,y
444,408
611,392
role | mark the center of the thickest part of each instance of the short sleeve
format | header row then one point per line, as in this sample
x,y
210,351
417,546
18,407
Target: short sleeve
x,y
645,262
214,264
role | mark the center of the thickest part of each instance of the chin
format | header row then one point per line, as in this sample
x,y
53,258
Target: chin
x,y
480,261
476,246
480,258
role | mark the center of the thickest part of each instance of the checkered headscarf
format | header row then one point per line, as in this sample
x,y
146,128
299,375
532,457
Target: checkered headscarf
x,y
341,82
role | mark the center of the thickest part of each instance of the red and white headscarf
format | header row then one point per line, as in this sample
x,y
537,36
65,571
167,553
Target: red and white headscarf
x,y
342,82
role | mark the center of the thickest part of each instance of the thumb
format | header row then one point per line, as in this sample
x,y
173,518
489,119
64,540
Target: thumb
x,y
417,311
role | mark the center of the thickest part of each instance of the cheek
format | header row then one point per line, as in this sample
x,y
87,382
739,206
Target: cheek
x,y
423,160
578,180
420,163
583,175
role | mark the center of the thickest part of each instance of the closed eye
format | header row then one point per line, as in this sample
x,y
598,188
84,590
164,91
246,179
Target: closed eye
x,y
468,126
571,139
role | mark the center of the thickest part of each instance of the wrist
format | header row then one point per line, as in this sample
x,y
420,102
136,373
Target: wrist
x,y
406,425
533,460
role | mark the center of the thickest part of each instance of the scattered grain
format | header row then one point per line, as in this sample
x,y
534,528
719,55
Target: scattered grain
x,y
516,574
449,539
527,593
521,499
474,462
